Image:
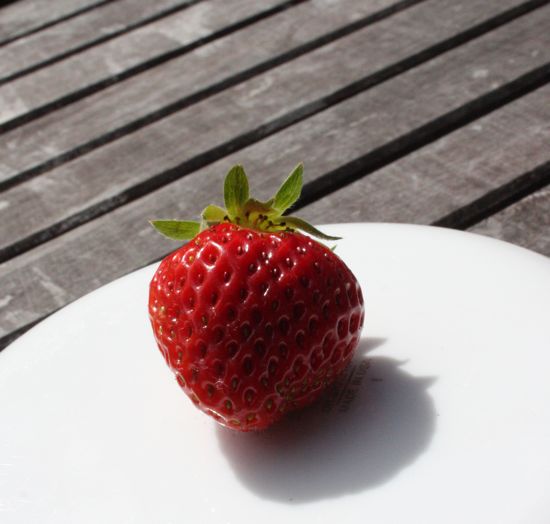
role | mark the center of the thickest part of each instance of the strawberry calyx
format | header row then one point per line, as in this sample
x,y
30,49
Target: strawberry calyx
x,y
244,211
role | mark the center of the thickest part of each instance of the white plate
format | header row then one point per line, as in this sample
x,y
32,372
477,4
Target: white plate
x,y
445,419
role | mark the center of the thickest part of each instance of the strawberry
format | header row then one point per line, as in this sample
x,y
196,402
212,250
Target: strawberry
x,y
254,318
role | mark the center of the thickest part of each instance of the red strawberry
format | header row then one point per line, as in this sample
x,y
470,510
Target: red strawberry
x,y
254,318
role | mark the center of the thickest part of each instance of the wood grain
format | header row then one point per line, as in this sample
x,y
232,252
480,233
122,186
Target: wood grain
x,y
449,173
25,16
57,196
91,27
69,128
112,58
65,268
525,223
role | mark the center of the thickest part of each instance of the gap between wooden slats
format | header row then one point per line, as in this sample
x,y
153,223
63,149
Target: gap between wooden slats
x,y
459,179
98,69
100,25
166,68
28,151
525,223
26,17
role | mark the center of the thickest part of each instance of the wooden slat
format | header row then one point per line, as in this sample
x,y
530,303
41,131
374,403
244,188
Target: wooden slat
x,y
81,260
77,33
451,172
25,16
54,197
108,61
70,128
526,223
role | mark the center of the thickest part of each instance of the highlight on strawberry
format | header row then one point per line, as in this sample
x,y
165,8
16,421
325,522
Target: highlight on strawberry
x,y
254,317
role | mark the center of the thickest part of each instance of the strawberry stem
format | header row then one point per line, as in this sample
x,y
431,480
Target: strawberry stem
x,y
247,212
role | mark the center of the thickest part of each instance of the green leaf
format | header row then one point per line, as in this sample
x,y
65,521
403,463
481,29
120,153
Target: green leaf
x,y
235,190
255,206
298,223
213,213
176,229
290,190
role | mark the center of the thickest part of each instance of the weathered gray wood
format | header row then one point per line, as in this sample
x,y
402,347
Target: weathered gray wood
x,y
106,20
57,195
67,128
525,223
119,54
79,261
25,15
451,172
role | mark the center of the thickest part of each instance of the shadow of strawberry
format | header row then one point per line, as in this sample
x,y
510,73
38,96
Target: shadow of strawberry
x,y
373,423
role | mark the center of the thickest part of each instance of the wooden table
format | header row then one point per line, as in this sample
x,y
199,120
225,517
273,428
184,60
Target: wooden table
x,y
113,112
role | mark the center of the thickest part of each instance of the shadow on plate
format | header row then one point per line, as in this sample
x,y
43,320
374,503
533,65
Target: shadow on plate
x,y
372,424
